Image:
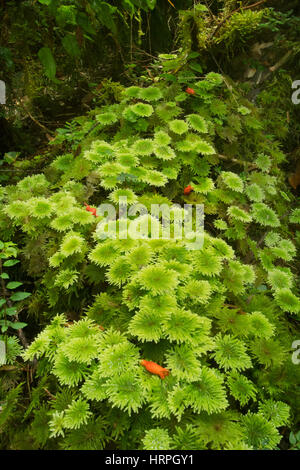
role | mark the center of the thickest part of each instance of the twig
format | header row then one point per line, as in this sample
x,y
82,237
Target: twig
x,y
10,368
236,308
281,61
28,380
251,166
171,3
37,122
49,394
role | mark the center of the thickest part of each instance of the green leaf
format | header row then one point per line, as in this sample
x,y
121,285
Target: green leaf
x,y
1,245
14,285
11,157
285,196
47,59
193,55
11,311
11,262
169,76
195,66
20,296
10,251
243,110
45,2
18,325
83,21
151,4
292,438
2,302
70,44
128,5
4,276
105,13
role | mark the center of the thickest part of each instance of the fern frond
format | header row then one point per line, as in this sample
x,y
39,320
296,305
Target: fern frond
x,y
279,279
68,372
208,263
126,192
264,215
295,216
146,325
263,162
150,93
161,138
207,393
155,178
204,186
197,123
93,388
66,278
183,363
143,147
17,209
230,353
141,109
219,429
237,213
178,126
82,350
276,412
241,388
62,223
255,193
197,291
260,433
157,279
260,325
164,152
125,392
106,119
90,436
287,301
119,272
56,424
232,181
268,352
156,439
115,359
40,207
162,304
72,243
77,413
104,254
222,249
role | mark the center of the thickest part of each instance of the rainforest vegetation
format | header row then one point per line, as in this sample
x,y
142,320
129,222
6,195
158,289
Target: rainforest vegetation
x,y
141,343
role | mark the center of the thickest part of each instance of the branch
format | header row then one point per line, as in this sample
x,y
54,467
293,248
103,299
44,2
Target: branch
x,y
171,3
48,131
251,166
282,61
49,394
